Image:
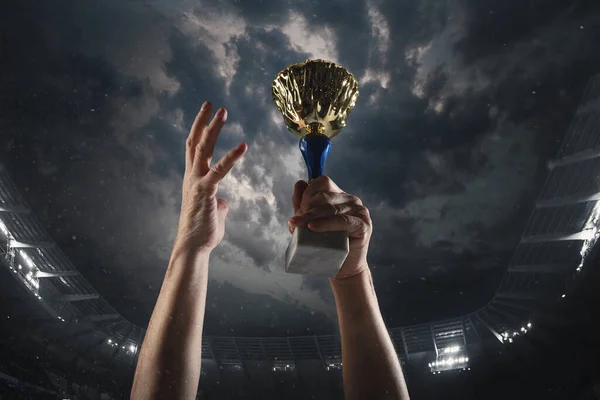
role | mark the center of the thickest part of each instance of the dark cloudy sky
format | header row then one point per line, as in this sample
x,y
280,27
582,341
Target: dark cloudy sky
x,y
462,104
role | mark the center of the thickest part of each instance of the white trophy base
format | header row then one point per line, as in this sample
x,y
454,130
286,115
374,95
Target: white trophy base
x,y
316,253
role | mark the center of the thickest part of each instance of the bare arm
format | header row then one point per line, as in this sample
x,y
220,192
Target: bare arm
x,y
371,368
170,357
169,363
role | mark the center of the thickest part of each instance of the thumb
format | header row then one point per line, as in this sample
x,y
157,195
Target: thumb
x,y
222,210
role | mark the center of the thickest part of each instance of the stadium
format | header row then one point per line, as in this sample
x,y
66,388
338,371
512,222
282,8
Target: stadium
x,y
83,347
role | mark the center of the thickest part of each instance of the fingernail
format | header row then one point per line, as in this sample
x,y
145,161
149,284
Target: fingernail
x,y
204,106
222,114
241,146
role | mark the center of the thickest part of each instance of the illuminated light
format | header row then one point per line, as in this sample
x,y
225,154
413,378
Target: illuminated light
x,y
20,266
529,325
523,329
3,228
451,349
563,296
467,359
132,348
510,340
26,258
109,341
287,366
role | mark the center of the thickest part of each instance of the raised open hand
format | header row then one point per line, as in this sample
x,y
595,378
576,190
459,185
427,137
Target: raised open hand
x,y
202,219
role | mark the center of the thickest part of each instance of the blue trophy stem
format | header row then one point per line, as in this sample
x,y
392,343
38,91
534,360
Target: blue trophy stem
x,y
315,148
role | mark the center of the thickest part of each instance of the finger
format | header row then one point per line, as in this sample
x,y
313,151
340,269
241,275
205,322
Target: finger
x,y
322,211
221,168
323,198
320,184
299,189
206,145
194,137
355,226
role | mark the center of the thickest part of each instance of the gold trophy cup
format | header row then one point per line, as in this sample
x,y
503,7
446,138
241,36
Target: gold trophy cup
x,y
315,98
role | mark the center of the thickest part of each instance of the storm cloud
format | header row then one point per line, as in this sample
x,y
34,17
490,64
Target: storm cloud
x,y
462,104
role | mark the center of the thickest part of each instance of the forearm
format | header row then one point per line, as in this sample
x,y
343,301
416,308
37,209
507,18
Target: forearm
x,y
170,358
370,365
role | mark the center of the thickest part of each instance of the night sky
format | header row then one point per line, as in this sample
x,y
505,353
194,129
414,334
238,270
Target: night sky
x,y
462,105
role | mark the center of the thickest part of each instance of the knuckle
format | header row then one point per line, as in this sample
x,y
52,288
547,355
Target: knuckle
x,y
219,168
188,142
364,210
355,200
322,182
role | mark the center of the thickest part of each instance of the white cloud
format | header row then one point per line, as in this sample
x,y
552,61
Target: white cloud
x,y
374,75
232,265
438,55
380,33
377,70
215,29
319,42
379,30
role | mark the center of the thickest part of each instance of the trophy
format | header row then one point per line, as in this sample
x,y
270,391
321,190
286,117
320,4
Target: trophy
x,y
315,98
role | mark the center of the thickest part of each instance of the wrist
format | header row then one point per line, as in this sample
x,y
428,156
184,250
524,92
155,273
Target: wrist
x,y
360,275
190,251
353,266
355,295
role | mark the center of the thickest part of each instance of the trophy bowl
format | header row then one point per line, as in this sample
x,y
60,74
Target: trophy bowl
x,y
315,97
